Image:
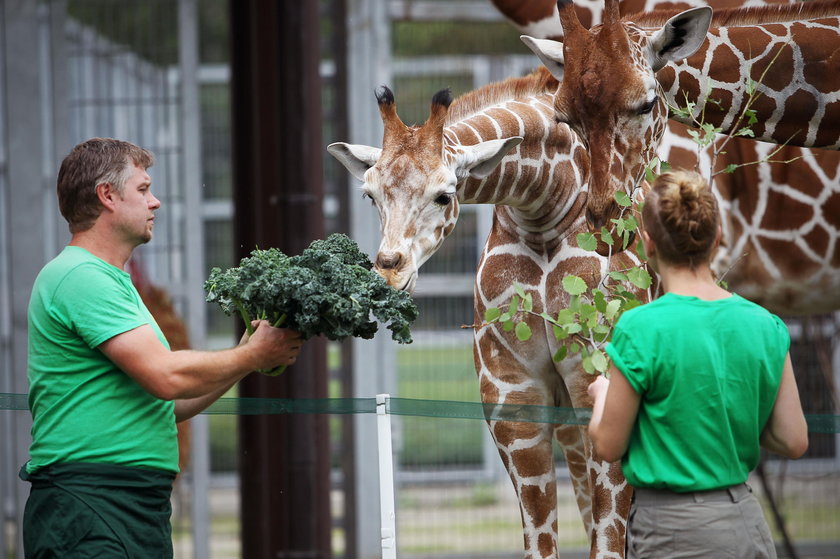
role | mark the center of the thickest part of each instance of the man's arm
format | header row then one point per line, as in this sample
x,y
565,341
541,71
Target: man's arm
x,y
186,374
786,432
188,408
614,410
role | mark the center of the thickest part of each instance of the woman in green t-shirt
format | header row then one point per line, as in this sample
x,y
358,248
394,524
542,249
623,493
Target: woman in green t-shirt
x,y
700,380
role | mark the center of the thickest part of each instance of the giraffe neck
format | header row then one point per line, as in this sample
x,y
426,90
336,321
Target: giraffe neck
x,y
541,184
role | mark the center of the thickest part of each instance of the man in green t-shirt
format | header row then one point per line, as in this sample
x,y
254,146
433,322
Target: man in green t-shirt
x,y
105,389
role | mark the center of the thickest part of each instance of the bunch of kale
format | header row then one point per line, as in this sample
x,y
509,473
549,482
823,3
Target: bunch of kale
x,y
329,289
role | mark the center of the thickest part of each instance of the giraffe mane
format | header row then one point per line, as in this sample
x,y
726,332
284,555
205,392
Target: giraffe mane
x,y
756,15
538,81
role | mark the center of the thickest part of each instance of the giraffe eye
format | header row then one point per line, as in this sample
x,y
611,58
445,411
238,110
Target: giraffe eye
x,y
647,107
443,199
369,197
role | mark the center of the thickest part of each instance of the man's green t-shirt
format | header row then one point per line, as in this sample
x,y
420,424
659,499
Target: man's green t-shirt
x,y
708,373
84,408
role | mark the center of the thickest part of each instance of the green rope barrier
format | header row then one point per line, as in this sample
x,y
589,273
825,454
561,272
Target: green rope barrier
x,y
817,423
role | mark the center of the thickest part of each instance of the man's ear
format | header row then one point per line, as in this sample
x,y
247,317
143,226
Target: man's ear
x,y
106,193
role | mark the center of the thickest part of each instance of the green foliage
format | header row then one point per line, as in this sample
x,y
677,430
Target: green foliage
x,y
330,289
585,326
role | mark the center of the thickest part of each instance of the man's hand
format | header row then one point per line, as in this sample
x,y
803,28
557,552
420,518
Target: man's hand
x,y
272,347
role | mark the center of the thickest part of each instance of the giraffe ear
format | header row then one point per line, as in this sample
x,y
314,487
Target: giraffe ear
x,y
480,160
680,37
356,158
549,52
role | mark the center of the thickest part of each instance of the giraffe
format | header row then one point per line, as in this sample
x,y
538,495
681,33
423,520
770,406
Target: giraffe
x,y
781,230
541,190
800,90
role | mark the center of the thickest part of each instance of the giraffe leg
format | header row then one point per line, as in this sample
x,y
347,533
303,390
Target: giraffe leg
x,y
608,489
570,439
526,451
611,495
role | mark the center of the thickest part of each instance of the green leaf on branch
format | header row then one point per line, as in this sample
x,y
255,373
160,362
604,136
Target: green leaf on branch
x,y
640,249
600,300
587,241
573,285
560,354
613,306
623,199
639,277
619,226
528,303
492,314
507,325
566,316
523,332
745,131
606,237
731,168
599,361
514,305
618,276
588,366
560,333
519,290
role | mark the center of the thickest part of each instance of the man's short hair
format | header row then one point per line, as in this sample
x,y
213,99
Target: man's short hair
x,y
89,164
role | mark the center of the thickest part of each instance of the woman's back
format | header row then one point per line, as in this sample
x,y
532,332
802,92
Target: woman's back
x,y
707,373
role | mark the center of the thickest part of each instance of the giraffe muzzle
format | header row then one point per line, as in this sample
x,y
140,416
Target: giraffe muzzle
x,y
388,260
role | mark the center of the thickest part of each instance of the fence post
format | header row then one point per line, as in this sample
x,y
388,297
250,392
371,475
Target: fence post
x,y
386,479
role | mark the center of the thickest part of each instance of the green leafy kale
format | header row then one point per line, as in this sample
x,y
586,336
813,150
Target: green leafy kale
x,y
329,289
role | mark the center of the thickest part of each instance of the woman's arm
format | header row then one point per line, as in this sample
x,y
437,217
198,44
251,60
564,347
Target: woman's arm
x,y
614,410
786,432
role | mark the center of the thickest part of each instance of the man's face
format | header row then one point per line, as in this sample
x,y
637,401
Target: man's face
x,y
137,206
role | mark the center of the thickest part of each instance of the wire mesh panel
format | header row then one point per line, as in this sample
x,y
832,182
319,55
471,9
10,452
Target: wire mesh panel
x,y
124,83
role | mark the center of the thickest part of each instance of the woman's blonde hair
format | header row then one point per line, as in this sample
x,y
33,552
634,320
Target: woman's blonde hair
x,y
681,216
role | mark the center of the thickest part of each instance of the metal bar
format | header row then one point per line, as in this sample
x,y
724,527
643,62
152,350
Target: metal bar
x,y
388,515
191,183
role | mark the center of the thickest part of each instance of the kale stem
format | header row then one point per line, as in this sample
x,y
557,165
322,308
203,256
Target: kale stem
x,y
245,316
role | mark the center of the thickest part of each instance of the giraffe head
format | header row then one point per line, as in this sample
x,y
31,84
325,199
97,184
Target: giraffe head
x,y
609,95
412,181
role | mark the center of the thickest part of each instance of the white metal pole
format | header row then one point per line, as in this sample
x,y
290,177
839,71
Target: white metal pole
x,y
386,479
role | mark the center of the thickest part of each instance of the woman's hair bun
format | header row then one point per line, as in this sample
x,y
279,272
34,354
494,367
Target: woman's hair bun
x,y
681,216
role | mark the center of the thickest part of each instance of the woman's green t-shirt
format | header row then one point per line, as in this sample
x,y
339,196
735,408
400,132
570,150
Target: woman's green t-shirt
x,y
84,408
708,373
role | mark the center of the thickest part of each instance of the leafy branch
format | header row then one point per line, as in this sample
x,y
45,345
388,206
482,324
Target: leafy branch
x,y
586,324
